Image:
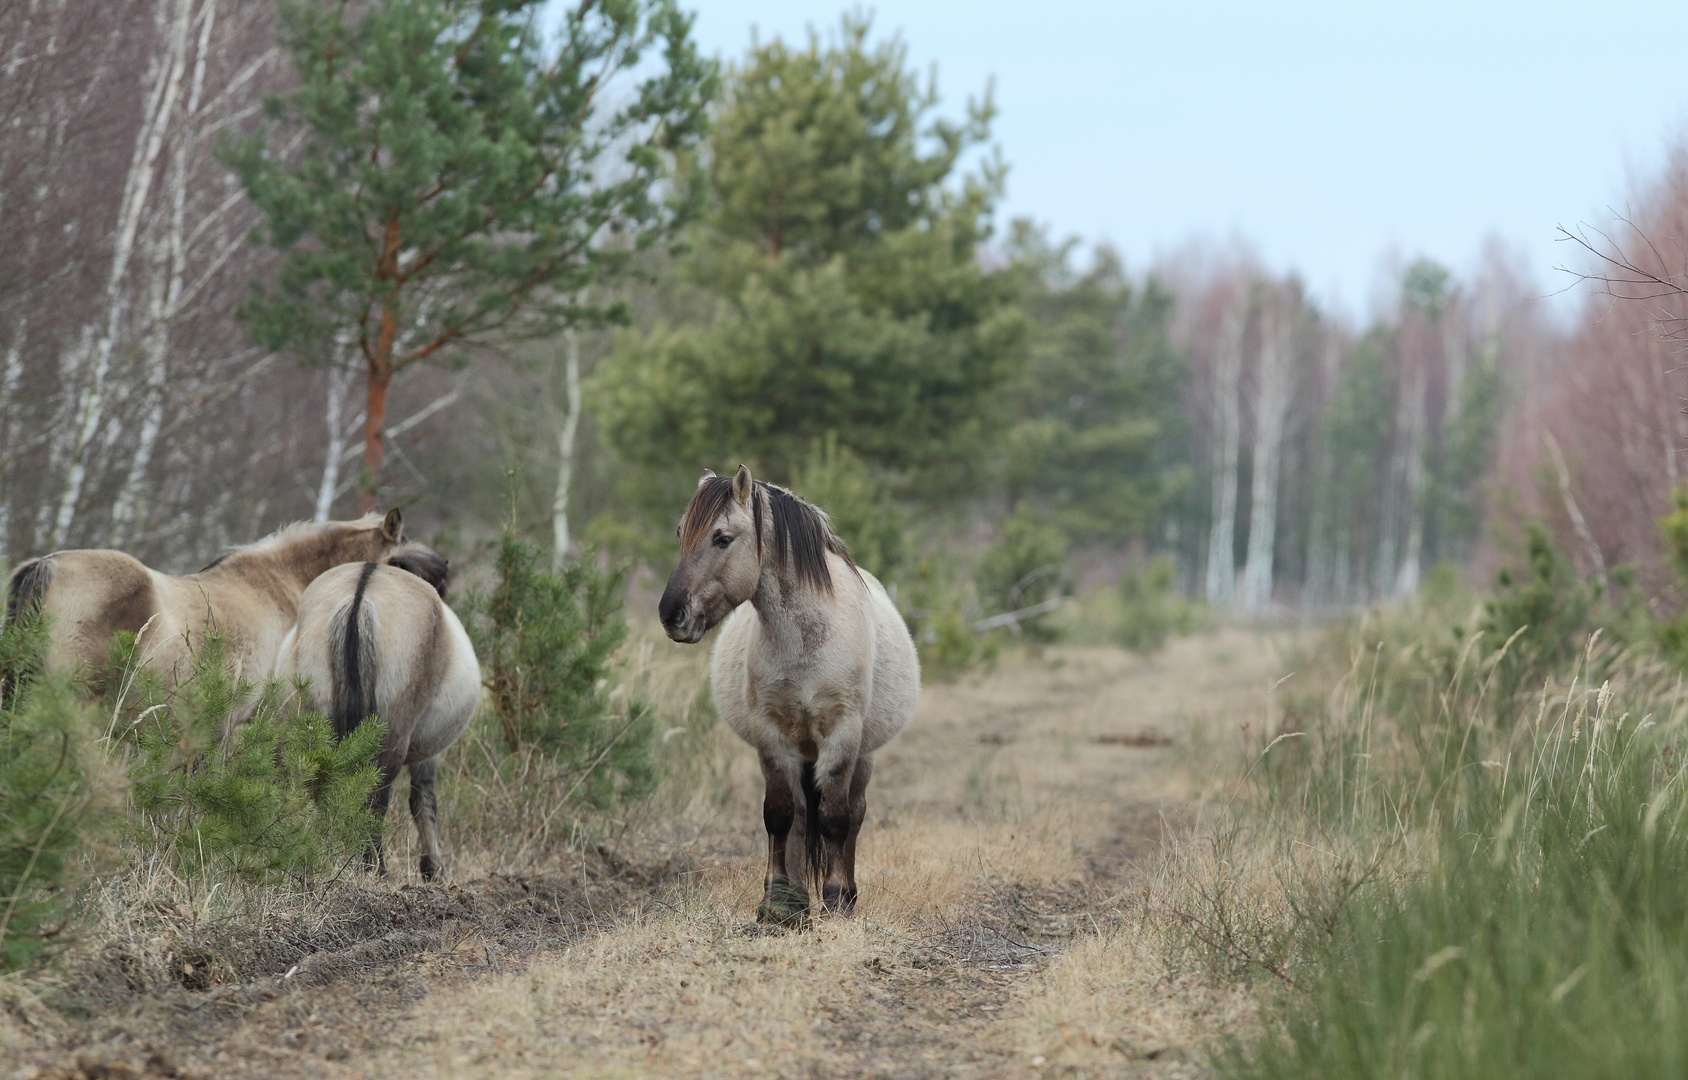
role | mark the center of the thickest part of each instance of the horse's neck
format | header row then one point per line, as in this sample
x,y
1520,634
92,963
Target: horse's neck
x,y
295,563
792,618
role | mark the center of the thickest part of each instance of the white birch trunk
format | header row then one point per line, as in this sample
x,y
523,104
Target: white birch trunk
x,y
137,186
169,272
340,377
9,375
565,450
1410,489
1227,373
1271,405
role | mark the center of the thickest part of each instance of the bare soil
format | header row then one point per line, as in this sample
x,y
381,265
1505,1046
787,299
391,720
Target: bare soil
x,y
1009,832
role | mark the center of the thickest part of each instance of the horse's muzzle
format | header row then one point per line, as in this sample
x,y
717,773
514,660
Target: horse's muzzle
x,y
677,619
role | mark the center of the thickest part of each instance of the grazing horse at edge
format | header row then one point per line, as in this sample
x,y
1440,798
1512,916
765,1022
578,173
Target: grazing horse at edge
x,y
249,595
378,639
814,668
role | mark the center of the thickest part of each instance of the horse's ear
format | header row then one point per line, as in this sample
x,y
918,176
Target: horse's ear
x,y
741,485
708,474
392,526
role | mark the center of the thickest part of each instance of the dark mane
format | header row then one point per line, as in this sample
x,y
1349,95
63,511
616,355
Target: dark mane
x,y
802,533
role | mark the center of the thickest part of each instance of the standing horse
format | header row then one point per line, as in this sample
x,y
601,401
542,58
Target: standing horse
x,y
379,639
817,671
249,595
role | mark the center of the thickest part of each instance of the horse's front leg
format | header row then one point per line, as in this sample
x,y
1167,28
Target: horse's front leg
x,y
835,789
784,900
858,814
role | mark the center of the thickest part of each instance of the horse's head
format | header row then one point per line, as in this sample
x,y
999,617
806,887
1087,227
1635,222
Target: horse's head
x,y
425,563
720,557
372,539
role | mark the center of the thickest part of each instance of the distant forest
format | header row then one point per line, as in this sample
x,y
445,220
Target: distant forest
x,y
792,260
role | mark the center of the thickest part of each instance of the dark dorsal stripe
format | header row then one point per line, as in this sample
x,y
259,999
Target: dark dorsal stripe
x,y
802,534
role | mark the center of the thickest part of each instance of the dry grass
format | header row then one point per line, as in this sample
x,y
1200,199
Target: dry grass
x,y
998,867
1012,833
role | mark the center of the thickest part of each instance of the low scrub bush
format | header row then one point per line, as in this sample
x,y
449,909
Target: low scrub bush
x,y
545,643
274,797
941,608
1151,610
57,799
1022,569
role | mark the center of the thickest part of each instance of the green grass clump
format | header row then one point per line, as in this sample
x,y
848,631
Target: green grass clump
x,y
1527,910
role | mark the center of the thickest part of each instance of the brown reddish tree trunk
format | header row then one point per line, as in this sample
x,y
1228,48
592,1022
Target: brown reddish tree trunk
x,y
380,374
374,425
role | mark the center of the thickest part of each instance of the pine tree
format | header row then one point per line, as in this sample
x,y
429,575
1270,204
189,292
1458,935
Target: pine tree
x,y
456,177
1098,442
54,800
840,263
275,796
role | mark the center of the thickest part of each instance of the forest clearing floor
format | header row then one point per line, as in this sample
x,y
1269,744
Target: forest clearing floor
x,y
1009,830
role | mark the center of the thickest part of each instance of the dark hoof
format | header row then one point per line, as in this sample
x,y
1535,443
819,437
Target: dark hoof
x,y
783,904
430,870
840,900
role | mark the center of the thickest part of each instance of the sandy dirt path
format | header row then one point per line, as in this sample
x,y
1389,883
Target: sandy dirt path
x,y
1007,830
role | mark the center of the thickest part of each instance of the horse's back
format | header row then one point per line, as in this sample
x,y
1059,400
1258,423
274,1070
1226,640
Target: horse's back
x,y
89,596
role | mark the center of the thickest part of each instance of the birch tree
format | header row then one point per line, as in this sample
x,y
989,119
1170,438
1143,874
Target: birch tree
x,y
1274,377
567,432
1226,446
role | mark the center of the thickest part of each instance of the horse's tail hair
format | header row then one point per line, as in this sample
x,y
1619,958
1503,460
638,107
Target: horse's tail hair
x,y
28,585
351,638
814,846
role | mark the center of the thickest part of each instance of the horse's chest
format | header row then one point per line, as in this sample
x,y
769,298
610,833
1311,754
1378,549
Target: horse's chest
x,y
803,717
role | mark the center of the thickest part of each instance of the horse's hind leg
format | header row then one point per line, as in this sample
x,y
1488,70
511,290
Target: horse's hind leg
x,y
425,811
388,761
858,814
783,899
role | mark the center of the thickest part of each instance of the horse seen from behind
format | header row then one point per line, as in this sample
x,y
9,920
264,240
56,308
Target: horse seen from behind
x,y
378,639
814,668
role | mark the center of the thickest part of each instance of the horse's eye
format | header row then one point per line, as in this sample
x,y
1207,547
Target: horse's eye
x,y
722,540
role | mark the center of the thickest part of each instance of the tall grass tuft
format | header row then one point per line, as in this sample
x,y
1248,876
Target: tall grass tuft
x,y
1523,829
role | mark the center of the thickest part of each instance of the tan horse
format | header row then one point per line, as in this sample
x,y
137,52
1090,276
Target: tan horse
x,y
379,640
814,668
249,595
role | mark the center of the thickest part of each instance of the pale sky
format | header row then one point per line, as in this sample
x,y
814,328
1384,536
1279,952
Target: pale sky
x,y
1327,136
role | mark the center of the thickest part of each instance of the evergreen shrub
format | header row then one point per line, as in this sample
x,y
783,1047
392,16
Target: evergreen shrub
x,y
274,797
56,800
545,643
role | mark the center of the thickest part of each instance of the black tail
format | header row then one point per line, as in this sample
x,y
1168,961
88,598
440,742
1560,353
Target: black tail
x,y
814,847
28,585
351,637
